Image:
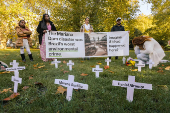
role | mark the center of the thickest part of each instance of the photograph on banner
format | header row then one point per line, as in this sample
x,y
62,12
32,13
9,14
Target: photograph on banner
x,y
95,44
63,44
118,43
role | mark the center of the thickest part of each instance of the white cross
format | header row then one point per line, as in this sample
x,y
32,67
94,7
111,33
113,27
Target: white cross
x,y
70,84
97,70
139,65
123,59
56,63
150,64
15,67
70,64
131,85
108,60
164,61
15,78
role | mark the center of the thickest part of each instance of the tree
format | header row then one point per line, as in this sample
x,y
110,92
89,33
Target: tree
x,y
161,15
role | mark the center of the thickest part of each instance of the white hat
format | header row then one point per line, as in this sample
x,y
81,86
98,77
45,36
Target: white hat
x,y
119,18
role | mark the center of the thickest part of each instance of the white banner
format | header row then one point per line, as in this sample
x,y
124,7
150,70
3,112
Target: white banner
x,y
62,44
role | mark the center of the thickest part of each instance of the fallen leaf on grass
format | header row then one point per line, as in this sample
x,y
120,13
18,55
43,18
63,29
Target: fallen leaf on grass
x,y
41,66
6,54
167,68
30,78
106,67
65,72
38,84
62,69
163,65
82,61
92,66
160,71
61,65
99,63
111,71
14,95
64,62
6,72
160,68
34,65
61,90
6,90
134,69
165,87
83,74
25,87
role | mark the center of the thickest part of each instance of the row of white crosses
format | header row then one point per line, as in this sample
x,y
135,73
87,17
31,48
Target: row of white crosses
x,y
70,84
140,64
70,63
130,85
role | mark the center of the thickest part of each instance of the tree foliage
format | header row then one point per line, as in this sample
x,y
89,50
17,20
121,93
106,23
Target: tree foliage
x,y
69,15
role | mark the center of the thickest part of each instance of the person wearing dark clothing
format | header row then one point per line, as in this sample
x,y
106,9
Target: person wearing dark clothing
x,y
42,28
117,27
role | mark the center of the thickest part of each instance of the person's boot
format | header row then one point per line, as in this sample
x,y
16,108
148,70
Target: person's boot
x,y
116,57
23,57
30,56
110,57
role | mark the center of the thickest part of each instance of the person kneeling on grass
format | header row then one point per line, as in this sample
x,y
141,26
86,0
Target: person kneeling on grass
x,y
147,48
24,39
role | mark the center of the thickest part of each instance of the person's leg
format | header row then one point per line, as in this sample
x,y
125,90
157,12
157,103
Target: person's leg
x,y
143,57
22,54
26,45
43,49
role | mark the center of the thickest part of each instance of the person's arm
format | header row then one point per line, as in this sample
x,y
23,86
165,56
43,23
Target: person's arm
x,y
112,29
137,50
81,29
20,33
29,32
39,28
53,27
123,28
91,28
148,46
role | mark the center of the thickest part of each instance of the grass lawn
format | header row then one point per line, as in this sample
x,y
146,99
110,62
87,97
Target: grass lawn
x,y
101,95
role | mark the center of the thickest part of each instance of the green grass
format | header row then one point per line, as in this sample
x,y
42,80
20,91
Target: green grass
x,y
101,95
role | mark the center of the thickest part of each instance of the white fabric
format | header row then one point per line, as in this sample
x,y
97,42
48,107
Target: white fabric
x,y
87,27
143,57
154,50
3,63
26,45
